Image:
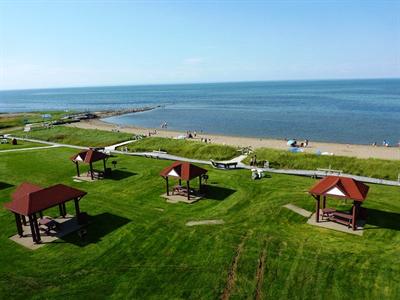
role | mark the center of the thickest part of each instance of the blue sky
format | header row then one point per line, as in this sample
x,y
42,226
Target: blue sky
x,y
86,43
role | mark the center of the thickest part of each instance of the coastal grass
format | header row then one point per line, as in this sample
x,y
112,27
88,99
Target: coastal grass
x,y
185,148
138,246
76,136
378,168
20,119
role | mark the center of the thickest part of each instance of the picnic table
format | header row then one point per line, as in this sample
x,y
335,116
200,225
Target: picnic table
x,y
342,218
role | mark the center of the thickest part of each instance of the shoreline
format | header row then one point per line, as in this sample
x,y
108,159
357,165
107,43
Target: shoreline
x,y
350,150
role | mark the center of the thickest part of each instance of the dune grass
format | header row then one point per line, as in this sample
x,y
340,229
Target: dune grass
x,y
17,120
76,136
138,247
378,168
185,148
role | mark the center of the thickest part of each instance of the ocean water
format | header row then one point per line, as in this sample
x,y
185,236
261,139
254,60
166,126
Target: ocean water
x,y
345,111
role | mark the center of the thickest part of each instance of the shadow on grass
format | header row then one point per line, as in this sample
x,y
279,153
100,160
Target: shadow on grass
x,y
98,227
120,174
217,193
4,185
383,219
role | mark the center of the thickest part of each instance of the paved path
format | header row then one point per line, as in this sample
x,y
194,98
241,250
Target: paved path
x,y
159,155
27,149
113,147
298,210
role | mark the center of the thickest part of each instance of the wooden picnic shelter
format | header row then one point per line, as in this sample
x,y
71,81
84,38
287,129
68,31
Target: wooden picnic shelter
x,y
89,157
30,200
344,188
183,171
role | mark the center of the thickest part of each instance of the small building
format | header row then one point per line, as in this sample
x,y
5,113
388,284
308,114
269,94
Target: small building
x,y
342,188
183,171
30,200
89,157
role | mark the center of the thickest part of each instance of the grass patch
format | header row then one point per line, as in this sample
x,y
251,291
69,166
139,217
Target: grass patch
x,y
21,144
378,168
76,136
185,148
133,250
7,121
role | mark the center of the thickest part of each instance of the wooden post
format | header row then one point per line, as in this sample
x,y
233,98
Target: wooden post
x,y
166,181
60,209
32,228
41,214
188,190
104,164
91,170
23,220
77,169
77,210
324,202
64,210
353,221
19,224
180,182
200,184
36,225
317,209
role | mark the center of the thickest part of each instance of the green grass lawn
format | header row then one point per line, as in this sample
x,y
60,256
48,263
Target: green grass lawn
x,y
134,250
185,148
76,136
379,168
21,144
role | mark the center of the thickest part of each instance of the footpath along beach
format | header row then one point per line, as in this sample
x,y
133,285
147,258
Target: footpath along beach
x,y
359,151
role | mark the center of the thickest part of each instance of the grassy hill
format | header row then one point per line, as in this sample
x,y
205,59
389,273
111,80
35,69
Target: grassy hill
x,y
138,246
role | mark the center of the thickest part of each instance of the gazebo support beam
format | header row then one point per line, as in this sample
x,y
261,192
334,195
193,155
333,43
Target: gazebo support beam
x,y
317,208
166,182
188,189
36,225
200,188
354,219
91,170
104,164
77,169
33,231
77,210
324,202
23,220
19,225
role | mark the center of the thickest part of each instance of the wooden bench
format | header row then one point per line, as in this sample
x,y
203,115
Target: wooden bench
x,y
342,218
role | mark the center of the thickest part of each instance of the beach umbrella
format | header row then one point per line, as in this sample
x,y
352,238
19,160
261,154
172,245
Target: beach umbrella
x,y
291,142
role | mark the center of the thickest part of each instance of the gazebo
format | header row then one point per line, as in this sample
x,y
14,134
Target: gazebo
x,y
339,187
183,171
29,200
89,157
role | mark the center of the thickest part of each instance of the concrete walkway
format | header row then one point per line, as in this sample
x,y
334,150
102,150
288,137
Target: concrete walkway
x,y
113,147
298,210
309,173
28,149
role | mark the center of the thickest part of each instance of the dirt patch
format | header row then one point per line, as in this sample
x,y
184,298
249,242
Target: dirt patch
x,y
230,283
260,274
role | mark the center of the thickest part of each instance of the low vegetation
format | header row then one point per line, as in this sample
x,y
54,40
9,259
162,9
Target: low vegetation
x,y
138,246
185,148
379,168
19,120
76,136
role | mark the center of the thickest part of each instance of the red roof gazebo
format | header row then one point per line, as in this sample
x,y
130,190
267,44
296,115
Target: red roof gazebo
x,y
29,200
89,157
183,171
339,187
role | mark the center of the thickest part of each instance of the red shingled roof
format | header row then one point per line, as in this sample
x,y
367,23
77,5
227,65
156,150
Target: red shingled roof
x,y
30,198
352,189
89,156
184,170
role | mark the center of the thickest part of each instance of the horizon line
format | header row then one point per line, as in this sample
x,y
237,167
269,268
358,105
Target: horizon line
x,y
198,83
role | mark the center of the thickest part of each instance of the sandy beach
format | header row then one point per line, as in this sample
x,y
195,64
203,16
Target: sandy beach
x,y
360,151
